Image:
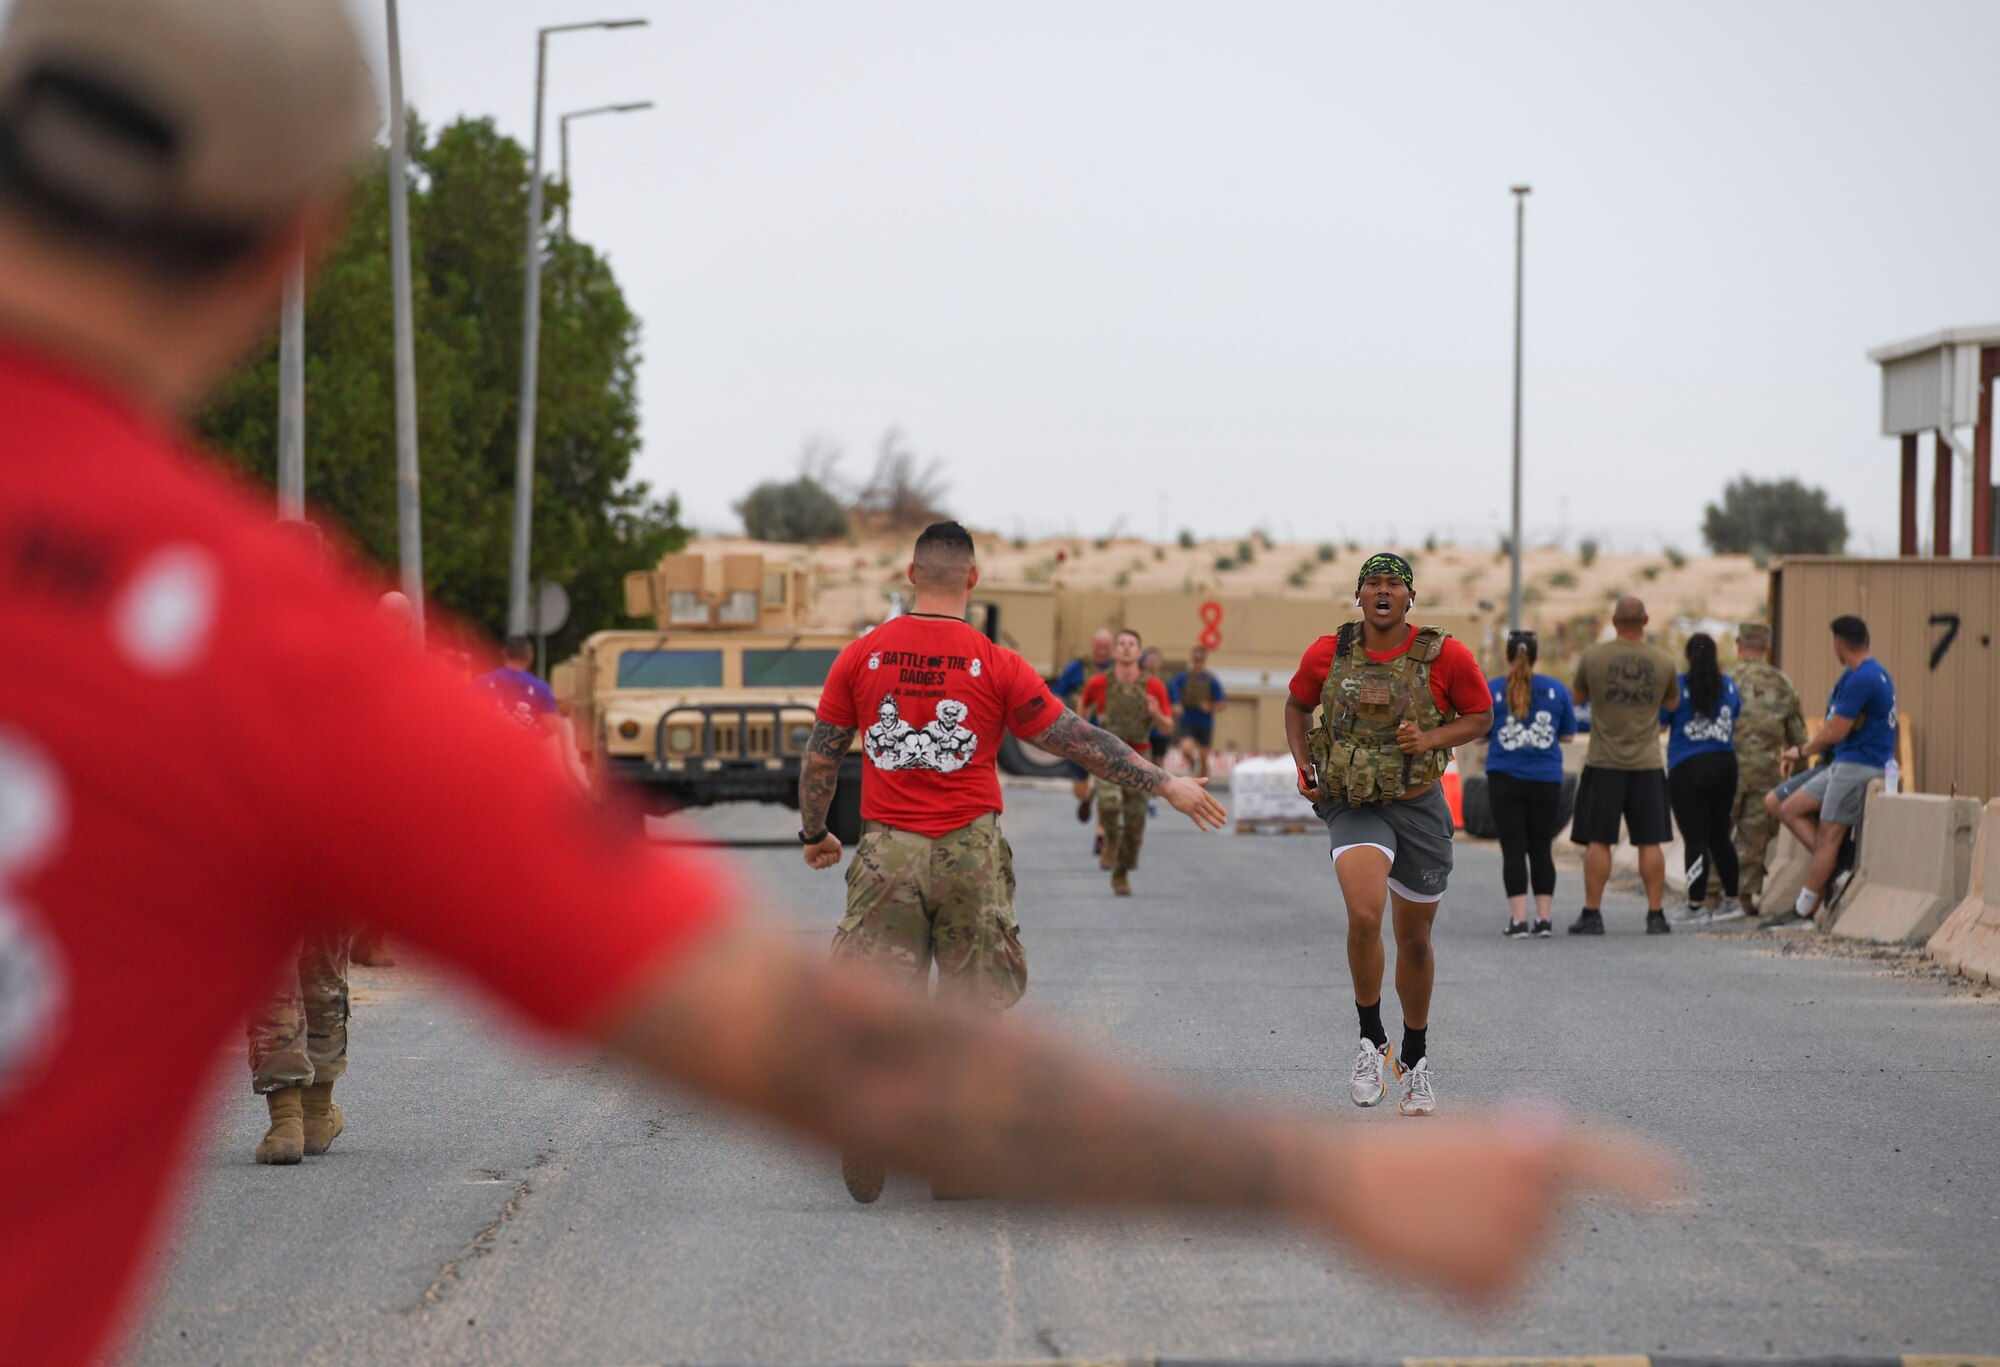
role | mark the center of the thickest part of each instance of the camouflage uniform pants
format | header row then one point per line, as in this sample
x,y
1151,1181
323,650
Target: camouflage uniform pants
x,y
300,1035
1754,827
914,900
1124,813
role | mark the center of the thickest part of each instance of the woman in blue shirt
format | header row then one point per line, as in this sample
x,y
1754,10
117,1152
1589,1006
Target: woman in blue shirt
x,y
1532,717
1701,779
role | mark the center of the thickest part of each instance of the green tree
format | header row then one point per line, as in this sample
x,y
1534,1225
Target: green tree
x,y
1780,517
592,522
796,510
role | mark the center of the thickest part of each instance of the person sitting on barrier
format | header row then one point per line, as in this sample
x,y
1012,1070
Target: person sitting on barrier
x,y
1532,720
1820,806
1701,779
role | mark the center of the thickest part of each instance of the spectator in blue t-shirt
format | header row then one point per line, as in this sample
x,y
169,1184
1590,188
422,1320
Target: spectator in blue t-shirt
x,y
1859,734
525,699
1701,779
1532,717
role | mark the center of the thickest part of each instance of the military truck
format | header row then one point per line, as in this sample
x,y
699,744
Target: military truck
x,y
715,703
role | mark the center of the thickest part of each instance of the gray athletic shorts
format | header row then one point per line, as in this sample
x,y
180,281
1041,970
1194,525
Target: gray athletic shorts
x,y
1841,787
1416,835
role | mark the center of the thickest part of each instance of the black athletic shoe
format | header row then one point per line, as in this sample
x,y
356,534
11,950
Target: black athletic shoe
x,y
1543,930
1083,810
1587,923
1517,930
1656,923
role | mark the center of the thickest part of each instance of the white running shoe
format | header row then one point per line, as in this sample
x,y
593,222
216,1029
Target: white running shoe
x,y
1370,1065
1690,916
1418,1098
1730,910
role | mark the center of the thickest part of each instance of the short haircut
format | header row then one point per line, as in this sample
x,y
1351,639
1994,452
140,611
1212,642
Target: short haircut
x,y
518,648
1851,630
943,553
1127,631
1630,612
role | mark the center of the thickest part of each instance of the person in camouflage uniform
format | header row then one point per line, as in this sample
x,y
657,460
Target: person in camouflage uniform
x,y
298,1049
1130,704
1771,721
932,878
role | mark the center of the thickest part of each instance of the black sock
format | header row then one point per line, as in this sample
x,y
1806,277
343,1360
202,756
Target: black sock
x,y
1371,1024
1413,1044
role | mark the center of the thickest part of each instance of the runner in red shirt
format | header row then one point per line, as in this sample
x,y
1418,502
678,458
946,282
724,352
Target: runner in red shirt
x,y
1131,705
1393,701
933,877
212,746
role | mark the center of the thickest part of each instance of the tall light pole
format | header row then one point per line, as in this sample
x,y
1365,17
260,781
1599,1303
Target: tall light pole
x,y
409,503
531,334
1514,541
292,394
562,141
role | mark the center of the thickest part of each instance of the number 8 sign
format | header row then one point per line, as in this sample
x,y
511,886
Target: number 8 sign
x,y
1211,625
31,823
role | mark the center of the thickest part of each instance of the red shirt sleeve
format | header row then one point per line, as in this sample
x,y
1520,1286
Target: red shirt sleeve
x,y
1026,700
1156,689
1456,681
403,799
836,696
1093,695
1313,669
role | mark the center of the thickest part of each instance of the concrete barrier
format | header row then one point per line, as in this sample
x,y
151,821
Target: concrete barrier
x,y
1969,940
1912,867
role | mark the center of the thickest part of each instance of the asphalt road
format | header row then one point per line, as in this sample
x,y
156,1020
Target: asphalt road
x,y
494,1205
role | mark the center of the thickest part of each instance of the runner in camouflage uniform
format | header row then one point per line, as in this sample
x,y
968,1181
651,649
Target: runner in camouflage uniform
x,y
932,881
298,1048
1129,704
1770,722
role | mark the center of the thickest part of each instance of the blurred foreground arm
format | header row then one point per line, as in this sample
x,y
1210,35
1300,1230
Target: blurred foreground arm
x,y
1458,1204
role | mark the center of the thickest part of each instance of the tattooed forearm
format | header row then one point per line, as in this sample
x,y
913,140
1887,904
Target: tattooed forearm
x,y
819,773
1100,752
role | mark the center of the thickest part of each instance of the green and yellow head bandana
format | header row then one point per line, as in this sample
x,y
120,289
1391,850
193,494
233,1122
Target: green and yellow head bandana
x,y
1387,563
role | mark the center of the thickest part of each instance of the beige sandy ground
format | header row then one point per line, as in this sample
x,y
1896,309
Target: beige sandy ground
x,y
1558,588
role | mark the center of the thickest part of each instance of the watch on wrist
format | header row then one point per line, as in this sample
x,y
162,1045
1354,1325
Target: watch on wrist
x,y
805,839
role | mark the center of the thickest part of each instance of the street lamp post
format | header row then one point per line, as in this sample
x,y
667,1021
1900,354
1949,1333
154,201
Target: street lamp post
x,y
409,502
531,332
292,393
1514,541
562,141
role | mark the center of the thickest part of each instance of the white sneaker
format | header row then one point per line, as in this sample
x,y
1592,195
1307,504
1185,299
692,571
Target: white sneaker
x,y
1730,910
1690,916
1370,1065
1418,1098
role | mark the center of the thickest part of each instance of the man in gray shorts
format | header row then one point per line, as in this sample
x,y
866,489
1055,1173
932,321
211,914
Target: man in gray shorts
x,y
1820,806
1393,701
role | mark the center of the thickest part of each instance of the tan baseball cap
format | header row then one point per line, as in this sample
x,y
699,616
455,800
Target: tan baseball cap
x,y
210,118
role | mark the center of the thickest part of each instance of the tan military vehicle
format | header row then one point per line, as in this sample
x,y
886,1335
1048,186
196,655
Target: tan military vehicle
x,y
716,702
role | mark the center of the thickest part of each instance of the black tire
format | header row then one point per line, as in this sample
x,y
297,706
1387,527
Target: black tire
x,y
1477,808
1015,760
843,814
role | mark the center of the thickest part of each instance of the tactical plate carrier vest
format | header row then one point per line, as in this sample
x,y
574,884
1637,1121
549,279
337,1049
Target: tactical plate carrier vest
x,y
1126,715
1197,693
1360,707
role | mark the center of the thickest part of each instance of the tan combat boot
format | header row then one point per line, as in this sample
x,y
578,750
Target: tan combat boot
x,y
285,1141
1120,884
323,1119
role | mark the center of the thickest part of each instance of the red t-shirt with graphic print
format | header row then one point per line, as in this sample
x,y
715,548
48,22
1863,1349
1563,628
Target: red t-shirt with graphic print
x,y
934,696
1456,682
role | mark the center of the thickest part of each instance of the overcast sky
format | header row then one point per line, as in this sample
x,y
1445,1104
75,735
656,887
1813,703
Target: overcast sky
x,y
1223,266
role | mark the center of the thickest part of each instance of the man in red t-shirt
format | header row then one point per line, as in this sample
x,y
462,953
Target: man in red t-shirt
x,y
933,877
1393,701
1129,704
220,749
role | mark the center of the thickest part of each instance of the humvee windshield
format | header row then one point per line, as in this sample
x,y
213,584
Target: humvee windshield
x,y
670,669
787,668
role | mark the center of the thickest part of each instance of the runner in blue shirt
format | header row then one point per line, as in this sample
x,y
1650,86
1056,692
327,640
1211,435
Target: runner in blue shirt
x,y
1532,718
1701,779
1820,806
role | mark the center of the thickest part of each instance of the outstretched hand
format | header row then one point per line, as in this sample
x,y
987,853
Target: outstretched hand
x,y
1479,1196
1191,798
